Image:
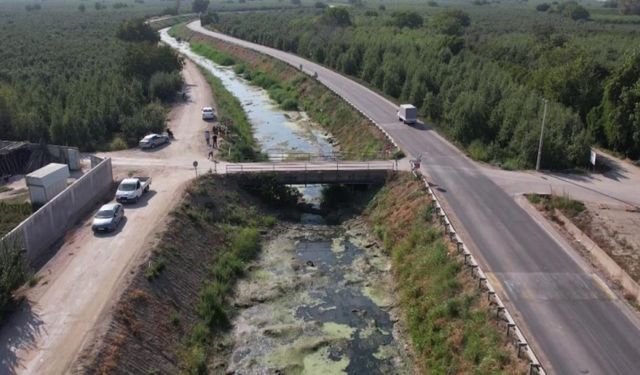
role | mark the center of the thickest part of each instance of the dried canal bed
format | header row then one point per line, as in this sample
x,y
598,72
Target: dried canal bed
x,y
319,300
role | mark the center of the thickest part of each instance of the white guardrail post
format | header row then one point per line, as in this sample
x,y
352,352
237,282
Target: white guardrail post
x,y
502,314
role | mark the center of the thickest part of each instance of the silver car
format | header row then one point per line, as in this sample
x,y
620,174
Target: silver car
x,y
108,217
153,140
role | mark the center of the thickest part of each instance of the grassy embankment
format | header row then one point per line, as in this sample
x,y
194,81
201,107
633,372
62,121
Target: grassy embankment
x,y
170,315
449,323
293,90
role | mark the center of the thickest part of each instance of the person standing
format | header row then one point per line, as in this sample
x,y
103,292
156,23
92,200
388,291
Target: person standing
x,y
210,156
206,137
215,140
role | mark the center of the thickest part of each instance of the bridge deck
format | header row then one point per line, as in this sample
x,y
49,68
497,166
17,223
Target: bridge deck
x,y
321,172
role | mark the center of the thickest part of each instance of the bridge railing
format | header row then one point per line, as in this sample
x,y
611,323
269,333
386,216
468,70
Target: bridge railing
x,y
279,155
311,166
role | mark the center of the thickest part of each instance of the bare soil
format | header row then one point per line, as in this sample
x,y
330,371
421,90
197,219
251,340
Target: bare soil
x,y
615,229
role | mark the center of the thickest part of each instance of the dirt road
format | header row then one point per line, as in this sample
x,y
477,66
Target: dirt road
x,y
78,284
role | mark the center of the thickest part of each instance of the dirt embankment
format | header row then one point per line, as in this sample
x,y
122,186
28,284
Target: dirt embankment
x,y
356,136
153,322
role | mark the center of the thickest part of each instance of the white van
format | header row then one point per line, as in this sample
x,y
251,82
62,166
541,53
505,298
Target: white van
x,y
408,114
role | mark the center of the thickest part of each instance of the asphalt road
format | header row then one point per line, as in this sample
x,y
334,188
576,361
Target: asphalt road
x,y
575,324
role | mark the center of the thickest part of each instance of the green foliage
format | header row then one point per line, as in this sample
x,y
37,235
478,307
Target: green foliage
x,y
543,7
12,214
137,31
452,21
209,18
451,331
151,119
573,10
216,56
409,19
336,16
156,266
13,272
164,86
566,205
199,6
618,116
241,142
117,144
63,79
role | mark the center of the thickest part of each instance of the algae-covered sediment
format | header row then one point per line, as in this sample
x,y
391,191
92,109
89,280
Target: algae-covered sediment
x,y
317,303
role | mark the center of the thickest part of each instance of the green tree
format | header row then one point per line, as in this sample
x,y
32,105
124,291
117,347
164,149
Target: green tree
x,y
452,21
408,19
151,119
199,6
336,16
209,18
543,7
620,108
137,31
164,85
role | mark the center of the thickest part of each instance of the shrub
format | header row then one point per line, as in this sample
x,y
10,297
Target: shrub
x,y
164,85
117,144
137,31
13,272
151,119
543,7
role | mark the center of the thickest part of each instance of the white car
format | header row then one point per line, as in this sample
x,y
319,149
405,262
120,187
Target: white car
x,y
153,140
208,114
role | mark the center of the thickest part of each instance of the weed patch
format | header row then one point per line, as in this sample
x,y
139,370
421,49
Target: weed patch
x,y
450,328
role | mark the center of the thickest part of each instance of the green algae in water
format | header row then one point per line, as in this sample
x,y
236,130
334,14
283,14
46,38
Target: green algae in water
x,y
319,363
338,245
378,296
385,352
336,330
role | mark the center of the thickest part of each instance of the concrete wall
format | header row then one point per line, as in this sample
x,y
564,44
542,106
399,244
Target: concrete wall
x,y
42,229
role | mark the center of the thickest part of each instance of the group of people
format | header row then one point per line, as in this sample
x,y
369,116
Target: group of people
x,y
212,140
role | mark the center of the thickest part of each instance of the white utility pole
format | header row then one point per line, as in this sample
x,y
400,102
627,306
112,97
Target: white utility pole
x,y
544,118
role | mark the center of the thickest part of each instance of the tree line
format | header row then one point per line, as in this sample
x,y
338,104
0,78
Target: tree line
x,y
84,80
475,82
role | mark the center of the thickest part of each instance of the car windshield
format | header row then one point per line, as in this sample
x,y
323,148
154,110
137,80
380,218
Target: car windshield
x,y
128,187
207,110
103,214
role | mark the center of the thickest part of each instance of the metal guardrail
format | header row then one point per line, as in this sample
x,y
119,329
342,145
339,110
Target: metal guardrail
x,y
501,313
311,166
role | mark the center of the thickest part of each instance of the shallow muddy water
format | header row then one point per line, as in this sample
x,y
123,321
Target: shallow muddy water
x,y
319,300
276,131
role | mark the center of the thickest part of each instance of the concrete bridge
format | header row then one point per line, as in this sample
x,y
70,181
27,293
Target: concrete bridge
x,y
318,172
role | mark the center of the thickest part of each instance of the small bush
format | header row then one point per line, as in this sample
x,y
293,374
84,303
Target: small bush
x,y
155,268
164,85
478,151
117,144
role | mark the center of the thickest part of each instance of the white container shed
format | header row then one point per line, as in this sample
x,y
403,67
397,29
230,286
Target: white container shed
x,y
47,182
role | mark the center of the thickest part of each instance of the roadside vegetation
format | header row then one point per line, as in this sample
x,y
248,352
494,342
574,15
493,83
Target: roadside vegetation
x,y
480,74
293,90
449,323
13,273
13,213
169,317
83,77
238,144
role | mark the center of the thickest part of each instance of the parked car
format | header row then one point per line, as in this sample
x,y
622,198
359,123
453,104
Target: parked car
x,y
131,189
153,140
208,113
108,217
